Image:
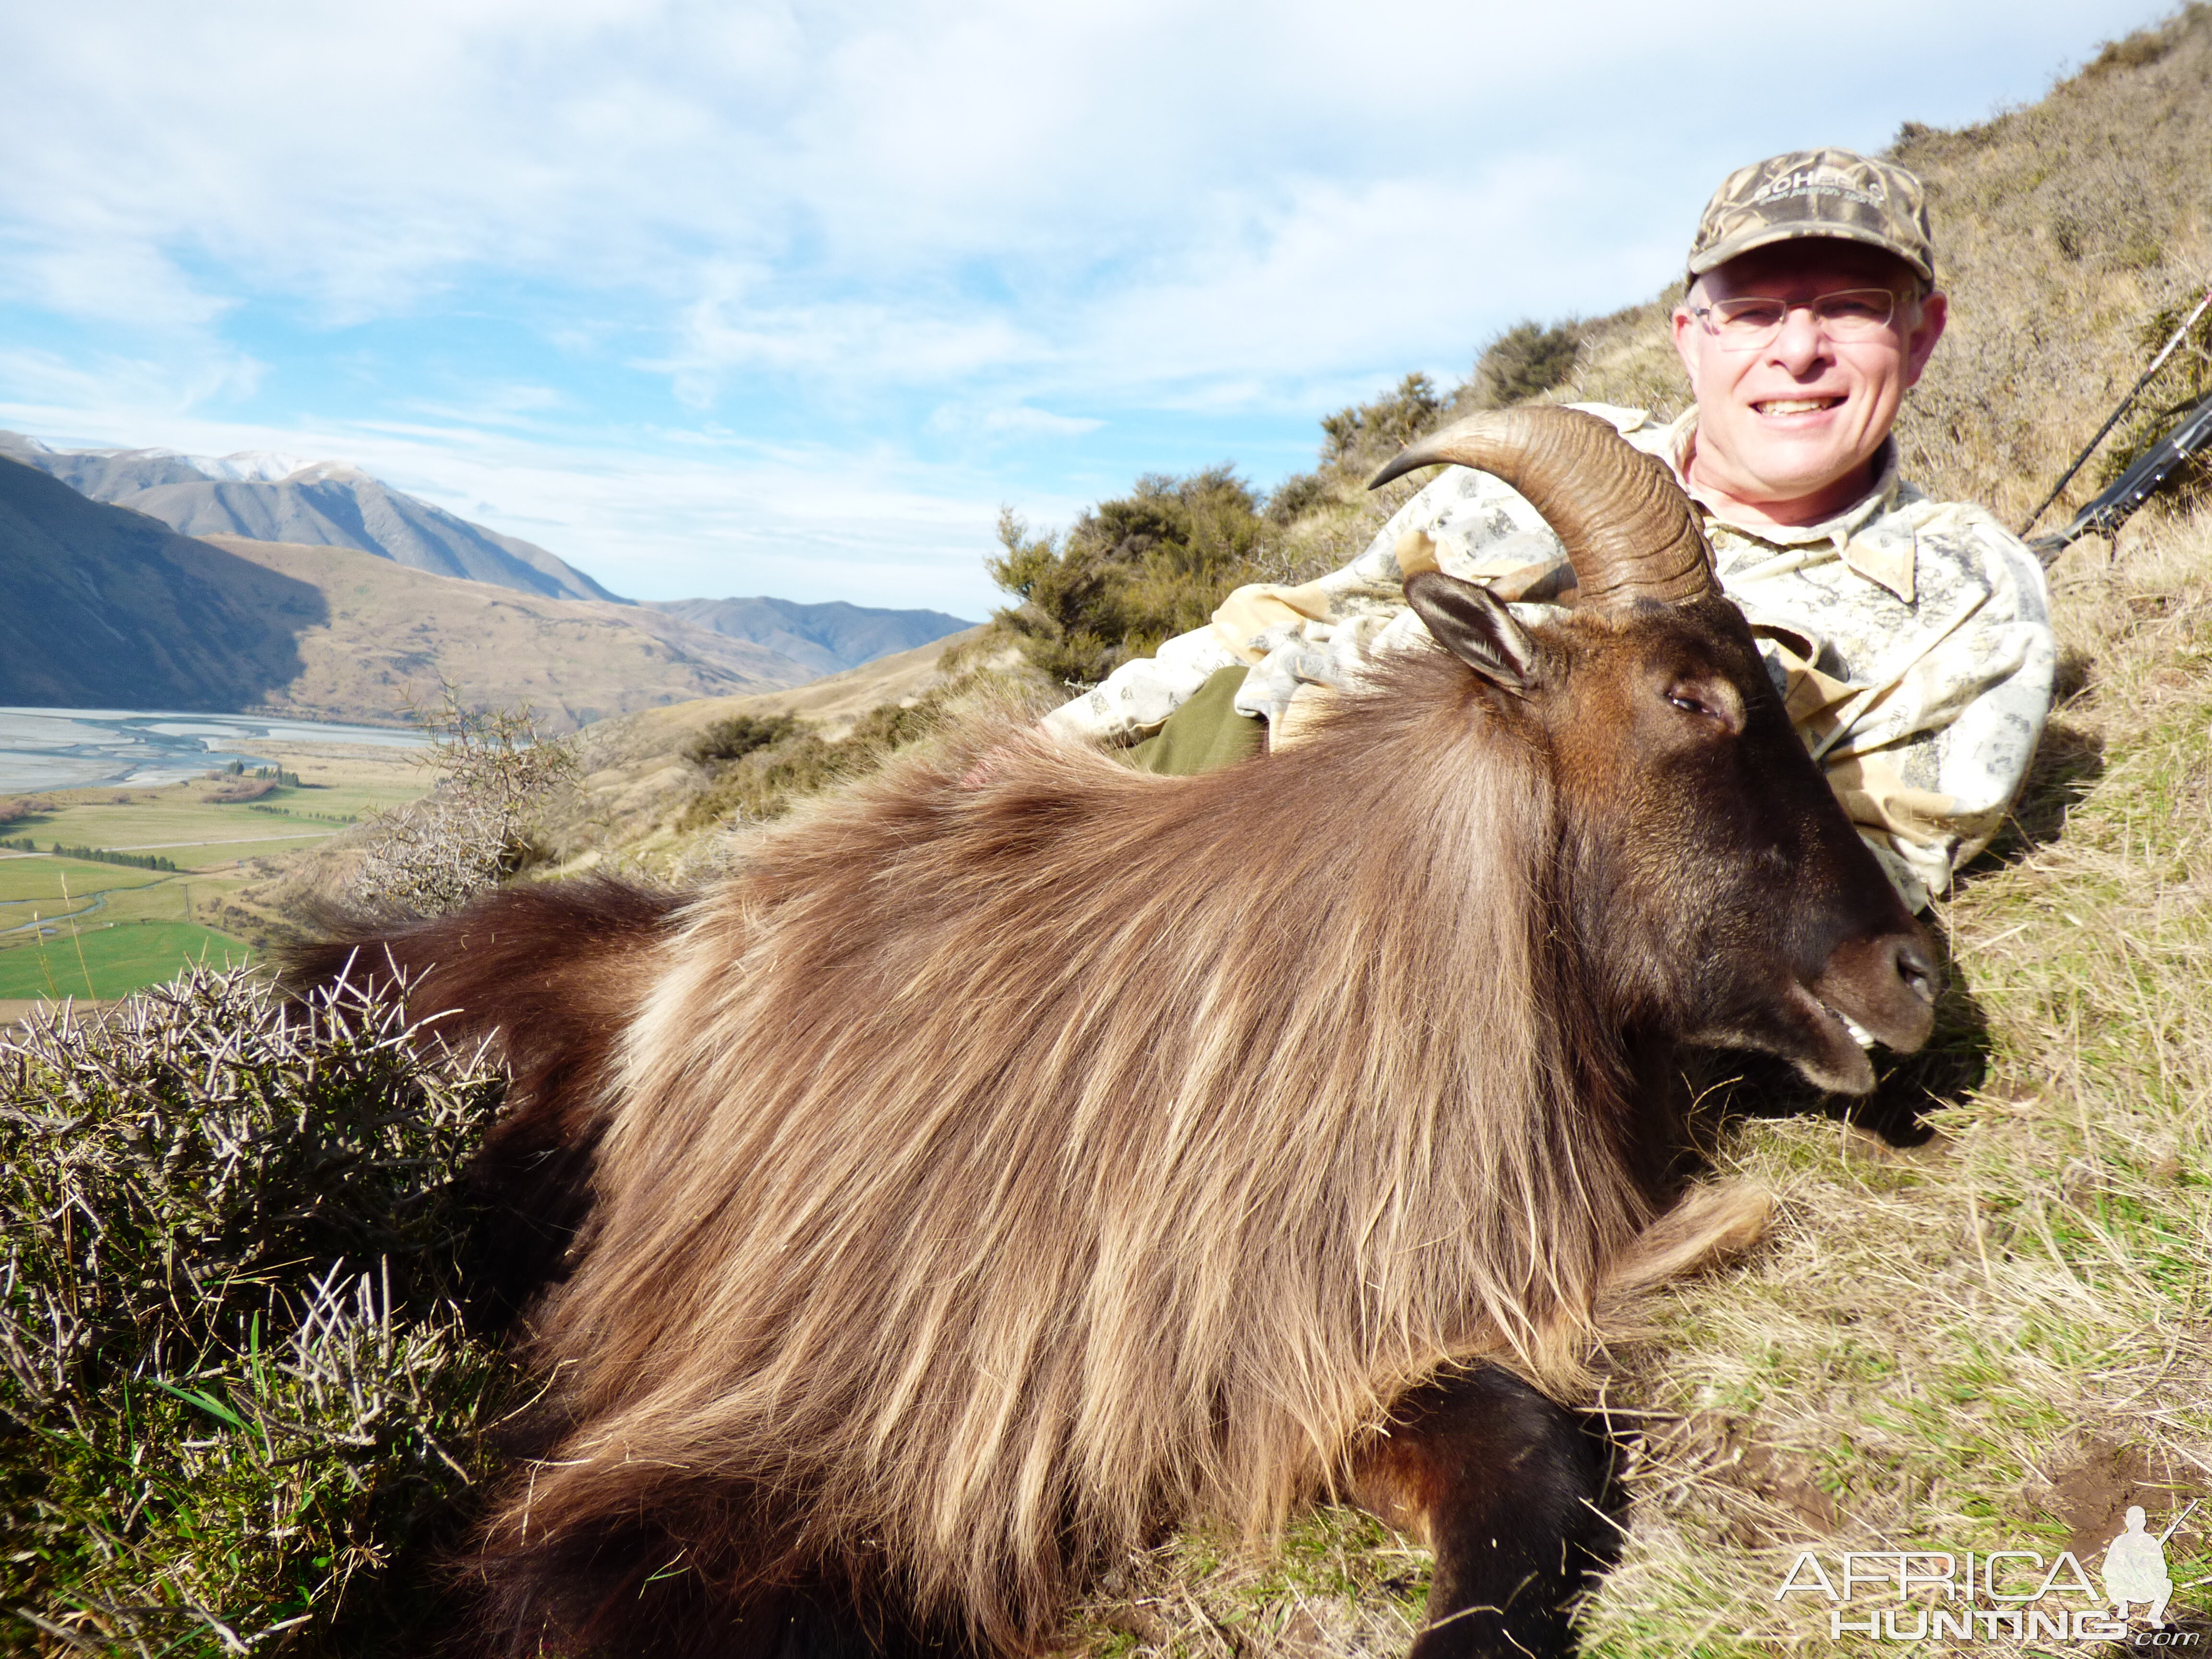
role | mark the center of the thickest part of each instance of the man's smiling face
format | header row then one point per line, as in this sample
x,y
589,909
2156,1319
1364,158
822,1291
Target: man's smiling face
x,y
1787,432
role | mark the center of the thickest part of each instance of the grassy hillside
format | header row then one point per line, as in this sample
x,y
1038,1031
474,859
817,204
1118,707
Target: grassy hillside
x,y
389,634
2073,236
647,779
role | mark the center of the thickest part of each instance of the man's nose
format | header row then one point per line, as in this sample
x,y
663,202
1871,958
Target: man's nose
x,y
1803,341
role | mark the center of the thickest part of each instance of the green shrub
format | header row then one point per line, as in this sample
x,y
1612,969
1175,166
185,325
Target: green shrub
x,y
1385,426
234,1380
739,736
780,760
1130,573
1525,362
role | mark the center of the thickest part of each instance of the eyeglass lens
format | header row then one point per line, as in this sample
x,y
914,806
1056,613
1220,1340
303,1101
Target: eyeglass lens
x,y
1851,313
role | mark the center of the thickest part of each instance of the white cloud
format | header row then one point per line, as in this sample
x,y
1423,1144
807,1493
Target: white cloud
x,y
974,420
982,225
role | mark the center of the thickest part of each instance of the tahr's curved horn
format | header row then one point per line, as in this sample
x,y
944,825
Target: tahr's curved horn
x,y
1624,520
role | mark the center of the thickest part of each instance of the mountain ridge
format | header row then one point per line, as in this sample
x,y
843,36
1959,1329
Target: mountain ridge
x,y
831,637
170,621
311,503
110,607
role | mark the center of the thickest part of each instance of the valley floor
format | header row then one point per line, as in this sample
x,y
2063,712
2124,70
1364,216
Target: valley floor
x,y
72,927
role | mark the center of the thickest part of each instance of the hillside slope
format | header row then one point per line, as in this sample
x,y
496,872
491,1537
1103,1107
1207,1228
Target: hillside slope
x,y
316,503
2073,235
106,607
827,638
637,779
389,634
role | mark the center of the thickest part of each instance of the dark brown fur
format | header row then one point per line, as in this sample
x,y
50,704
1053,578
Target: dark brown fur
x,y
550,974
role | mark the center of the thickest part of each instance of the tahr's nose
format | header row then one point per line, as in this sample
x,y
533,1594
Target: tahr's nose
x,y
1916,966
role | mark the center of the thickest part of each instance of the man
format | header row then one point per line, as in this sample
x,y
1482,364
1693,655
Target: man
x,y
1911,639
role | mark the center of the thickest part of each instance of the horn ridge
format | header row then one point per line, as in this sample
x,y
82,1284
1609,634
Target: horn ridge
x,y
1629,531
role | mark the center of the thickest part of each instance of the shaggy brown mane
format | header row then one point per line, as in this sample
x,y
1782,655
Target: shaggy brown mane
x,y
1244,1221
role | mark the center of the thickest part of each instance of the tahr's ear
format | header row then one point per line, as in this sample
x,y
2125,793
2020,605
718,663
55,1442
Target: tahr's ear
x,y
1476,629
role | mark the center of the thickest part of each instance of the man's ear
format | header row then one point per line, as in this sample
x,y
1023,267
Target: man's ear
x,y
1920,342
1476,629
1685,331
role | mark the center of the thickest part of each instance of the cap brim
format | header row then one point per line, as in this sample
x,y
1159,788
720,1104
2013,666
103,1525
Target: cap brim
x,y
1765,235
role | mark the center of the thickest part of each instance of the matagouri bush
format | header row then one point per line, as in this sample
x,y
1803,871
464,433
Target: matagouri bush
x,y
478,826
235,1382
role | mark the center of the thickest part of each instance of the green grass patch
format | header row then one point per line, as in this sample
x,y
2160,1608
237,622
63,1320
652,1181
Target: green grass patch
x,y
116,959
30,882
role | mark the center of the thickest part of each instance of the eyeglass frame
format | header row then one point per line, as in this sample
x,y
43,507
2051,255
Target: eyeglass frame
x,y
1705,316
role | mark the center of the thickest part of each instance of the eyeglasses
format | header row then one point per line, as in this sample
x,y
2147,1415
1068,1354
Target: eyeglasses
x,y
1848,314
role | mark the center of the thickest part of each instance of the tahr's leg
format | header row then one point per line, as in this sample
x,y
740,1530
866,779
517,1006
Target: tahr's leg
x,y
1508,1488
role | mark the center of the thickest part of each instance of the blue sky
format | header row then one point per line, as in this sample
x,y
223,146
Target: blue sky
x,y
734,299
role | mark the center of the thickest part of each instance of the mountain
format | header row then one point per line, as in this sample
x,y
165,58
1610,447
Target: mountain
x,y
109,608
281,498
827,638
389,634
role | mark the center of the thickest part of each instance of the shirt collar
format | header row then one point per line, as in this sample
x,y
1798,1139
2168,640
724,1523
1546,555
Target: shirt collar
x,y
1886,566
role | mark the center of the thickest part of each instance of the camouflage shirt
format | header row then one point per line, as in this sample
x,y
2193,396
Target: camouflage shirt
x,y
1910,640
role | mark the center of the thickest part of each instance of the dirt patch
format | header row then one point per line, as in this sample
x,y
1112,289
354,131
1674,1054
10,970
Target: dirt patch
x,y
1787,1501
2093,1494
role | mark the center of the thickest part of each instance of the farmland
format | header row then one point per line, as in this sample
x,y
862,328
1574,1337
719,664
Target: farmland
x,y
71,926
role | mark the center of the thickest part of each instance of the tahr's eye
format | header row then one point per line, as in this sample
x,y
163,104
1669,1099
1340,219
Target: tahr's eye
x,y
1687,704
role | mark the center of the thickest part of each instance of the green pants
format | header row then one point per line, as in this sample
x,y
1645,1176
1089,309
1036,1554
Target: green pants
x,y
1206,733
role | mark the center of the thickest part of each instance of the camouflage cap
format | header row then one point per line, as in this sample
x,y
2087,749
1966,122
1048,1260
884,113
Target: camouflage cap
x,y
1835,193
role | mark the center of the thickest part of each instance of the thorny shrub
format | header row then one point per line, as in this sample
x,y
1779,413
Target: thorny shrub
x,y
234,1378
478,826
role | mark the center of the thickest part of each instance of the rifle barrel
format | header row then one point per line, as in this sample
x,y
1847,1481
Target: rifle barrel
x,y
2114,420
2175,1526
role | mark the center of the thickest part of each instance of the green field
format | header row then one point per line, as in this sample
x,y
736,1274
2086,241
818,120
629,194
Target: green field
x,y
27,882
140,927
111,959
193,834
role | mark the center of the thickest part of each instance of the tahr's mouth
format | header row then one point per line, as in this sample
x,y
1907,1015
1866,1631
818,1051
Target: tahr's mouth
x,y
1838,1057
